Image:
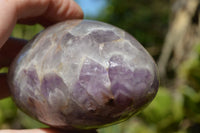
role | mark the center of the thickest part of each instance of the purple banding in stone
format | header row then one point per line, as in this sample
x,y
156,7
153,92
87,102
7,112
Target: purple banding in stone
x,y
94,79
32,78
82,98
31,81
101,36
66,37
127,85
83,74
50,82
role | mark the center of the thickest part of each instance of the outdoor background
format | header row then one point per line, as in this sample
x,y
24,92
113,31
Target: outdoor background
x,y
170,31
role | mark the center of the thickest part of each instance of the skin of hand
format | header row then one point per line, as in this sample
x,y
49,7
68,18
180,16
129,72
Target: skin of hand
x,y
44,12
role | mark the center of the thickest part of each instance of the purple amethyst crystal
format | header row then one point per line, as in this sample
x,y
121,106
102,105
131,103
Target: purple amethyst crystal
x,y
83,74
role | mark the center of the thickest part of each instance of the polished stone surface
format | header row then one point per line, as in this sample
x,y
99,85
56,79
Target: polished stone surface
x,y
83,74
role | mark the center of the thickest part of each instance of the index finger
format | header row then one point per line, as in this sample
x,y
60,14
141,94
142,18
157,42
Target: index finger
x,y
42,11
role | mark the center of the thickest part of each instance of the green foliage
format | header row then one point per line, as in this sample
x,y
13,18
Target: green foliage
x,y
7,112
28,122
131,126
159,108
26,31
11,117
4,70
146,20
190,72
192,69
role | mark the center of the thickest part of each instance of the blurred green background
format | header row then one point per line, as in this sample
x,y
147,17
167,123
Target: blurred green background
x,y
158,25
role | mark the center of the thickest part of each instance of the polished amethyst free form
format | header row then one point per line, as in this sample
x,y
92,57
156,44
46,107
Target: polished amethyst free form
x,y
83,74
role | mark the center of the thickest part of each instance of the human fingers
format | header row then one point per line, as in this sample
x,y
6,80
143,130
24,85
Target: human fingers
x,y
43,11
57,10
